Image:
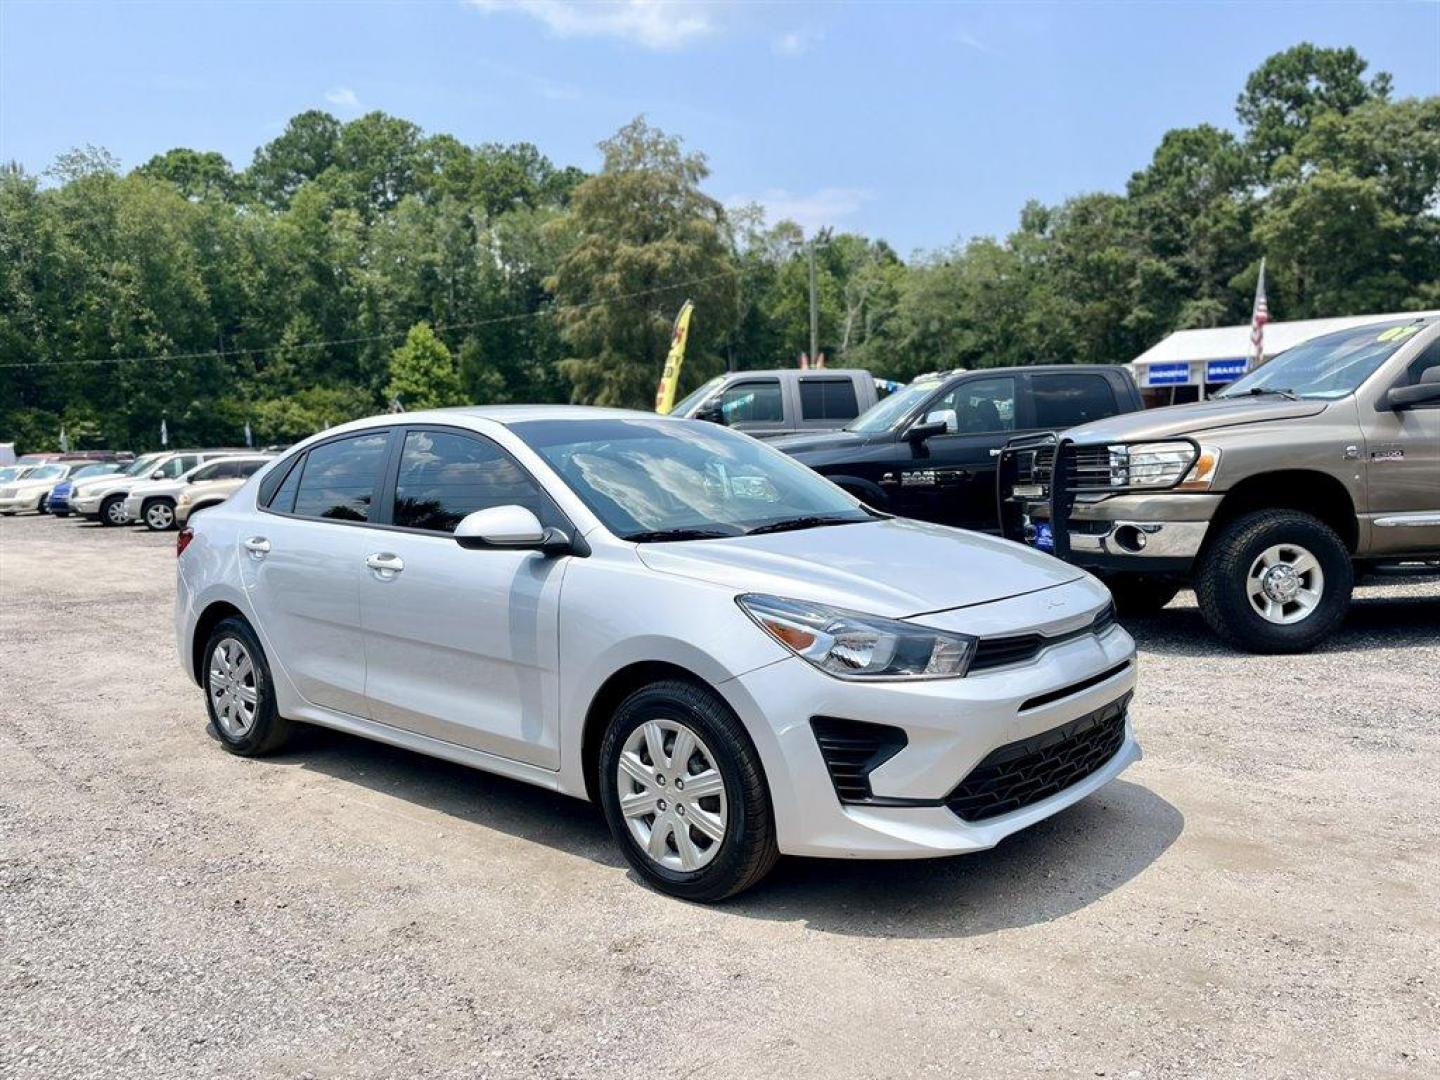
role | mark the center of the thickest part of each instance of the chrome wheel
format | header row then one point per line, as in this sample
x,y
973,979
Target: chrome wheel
x,y
160,516
672,795
1285,584
232,687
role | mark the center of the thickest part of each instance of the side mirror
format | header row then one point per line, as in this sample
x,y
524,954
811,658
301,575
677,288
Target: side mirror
x,y
1422,393
512,527
158,474
946,417
918,433
711,412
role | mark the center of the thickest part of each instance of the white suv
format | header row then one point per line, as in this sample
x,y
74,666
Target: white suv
x,y
103,500
729,653
154,502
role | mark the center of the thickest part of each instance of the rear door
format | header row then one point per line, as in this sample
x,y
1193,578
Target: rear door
x,y
827,402
462,644
303,562
1403,468
1061,400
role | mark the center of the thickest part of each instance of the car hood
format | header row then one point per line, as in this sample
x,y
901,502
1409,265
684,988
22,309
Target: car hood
x,y
1191,419
893,567
818,441
96,485
23,485
155,487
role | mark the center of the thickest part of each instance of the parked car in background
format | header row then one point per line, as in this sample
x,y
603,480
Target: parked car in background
x,y
81,489
59,501
153,502
1268,499
29,491
231,474
103,500
732,656
770,403
928,451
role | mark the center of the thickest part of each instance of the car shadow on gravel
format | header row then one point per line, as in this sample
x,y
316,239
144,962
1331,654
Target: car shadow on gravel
x,y
1378,622
1047,871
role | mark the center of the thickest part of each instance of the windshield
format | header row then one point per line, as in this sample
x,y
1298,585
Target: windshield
x,y
688,404
101,469
46,472
142,464
1328,367
13,472
661,480
886,414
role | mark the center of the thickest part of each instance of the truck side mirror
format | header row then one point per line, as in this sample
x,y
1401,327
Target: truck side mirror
x,y
1421,393
711,412
918,433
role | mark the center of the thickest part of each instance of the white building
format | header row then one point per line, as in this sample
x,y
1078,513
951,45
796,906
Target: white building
x,y
1220,355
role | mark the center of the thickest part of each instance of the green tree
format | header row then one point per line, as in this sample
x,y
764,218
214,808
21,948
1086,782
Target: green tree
x,y
1291,89
422,373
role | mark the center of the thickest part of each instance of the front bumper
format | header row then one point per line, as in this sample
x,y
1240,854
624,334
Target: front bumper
x,y
950,727
132,506
88,505
18,502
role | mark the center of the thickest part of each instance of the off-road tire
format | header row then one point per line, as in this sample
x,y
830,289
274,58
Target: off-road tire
x,y
749,850
1220,583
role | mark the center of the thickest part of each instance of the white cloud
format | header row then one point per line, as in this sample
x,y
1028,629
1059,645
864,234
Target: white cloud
x,y
796,42
970,41
826,206
655,24
343,97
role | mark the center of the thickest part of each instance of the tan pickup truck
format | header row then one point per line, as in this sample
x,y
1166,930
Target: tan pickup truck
x,y
1269,499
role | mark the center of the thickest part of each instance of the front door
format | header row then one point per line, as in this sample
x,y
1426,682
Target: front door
x,y
1403,469
950,478
462,644
302,563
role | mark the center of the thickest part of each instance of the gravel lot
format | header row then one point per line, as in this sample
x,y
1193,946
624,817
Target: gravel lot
x,y
1256,898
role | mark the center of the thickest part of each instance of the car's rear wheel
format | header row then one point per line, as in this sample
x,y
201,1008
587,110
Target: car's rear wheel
x,y
1275,581
112,511
684,793
239,692
159,515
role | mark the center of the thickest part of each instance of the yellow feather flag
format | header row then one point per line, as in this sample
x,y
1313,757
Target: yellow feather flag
x,y
670,379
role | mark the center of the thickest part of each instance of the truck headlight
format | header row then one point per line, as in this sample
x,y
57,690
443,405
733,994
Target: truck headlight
x,y
1157,464
1202,473
850,645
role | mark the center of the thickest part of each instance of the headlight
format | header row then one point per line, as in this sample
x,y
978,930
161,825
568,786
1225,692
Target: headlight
x,y
849,645
183,500
1202,473
1157,464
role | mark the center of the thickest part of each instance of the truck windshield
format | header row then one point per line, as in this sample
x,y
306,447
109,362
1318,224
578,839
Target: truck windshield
x,y
1328,367
688,404
886,414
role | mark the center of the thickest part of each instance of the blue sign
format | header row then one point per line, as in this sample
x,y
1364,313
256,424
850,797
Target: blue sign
x,y
1167,375
1225,370
1044,538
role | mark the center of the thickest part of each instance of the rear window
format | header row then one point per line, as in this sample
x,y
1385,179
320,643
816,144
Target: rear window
x,y
339,478
1063,401
828,399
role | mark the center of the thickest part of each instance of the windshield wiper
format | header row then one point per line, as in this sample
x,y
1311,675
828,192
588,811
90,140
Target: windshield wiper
x,y
1288,394
657,535
812,521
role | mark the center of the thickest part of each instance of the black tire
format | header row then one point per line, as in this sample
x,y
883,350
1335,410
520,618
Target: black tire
x,y
1137,596
162,510
1220,584
40,506
748,850
108,510
269,730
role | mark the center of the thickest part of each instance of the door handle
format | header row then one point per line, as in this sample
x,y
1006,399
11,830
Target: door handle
x,y
385,564
258,546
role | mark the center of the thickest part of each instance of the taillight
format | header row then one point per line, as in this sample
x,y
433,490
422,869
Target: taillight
x,y
182,541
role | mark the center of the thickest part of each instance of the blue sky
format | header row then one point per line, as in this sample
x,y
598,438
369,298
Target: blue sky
x,y
919,122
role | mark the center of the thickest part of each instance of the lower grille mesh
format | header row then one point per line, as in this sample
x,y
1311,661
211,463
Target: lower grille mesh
x,y
1023,773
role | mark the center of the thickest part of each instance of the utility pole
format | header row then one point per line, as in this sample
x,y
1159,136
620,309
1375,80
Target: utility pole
x,y
820,239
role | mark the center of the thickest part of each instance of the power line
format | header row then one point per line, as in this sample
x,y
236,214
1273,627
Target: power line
x,y
222,354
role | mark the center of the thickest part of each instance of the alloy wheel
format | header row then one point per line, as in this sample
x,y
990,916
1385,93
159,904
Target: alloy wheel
x,y
160,516
115,512
232,687
672,795
1285,584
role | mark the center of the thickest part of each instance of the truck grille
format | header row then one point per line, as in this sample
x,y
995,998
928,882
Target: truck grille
x,y
1096,468
1028,771
1001,651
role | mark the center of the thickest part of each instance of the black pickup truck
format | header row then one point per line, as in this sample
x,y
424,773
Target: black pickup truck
x,y
929,450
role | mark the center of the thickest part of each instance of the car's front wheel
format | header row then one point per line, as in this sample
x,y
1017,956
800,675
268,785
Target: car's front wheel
x,y
684,793
1275,581
239,692
159,515
112,511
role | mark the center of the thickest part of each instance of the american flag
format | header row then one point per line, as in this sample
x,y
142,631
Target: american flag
x,y
1258,318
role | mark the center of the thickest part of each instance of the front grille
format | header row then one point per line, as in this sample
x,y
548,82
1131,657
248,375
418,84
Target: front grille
x,y
1001,651
7,493
1028,771
1094,468
852,749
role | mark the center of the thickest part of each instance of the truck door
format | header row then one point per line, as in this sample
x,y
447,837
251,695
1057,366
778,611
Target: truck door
x,y
1402,468
754,406
826,402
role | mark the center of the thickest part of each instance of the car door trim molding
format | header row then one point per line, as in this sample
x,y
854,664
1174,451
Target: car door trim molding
x,y
1400,521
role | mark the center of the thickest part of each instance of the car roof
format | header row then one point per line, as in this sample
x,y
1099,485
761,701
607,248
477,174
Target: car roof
x,y
515,414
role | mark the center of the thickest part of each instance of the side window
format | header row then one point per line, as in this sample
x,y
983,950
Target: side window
x,y
1062,401
339,478
210,472
756,400
1429,358
977,407
283,500
828,399
175,466
244,469
444,476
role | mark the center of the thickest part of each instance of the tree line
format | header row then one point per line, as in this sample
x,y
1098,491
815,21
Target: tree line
x,y
354,264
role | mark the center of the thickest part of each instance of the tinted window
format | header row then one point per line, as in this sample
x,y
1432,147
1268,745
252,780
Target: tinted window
x,y
443,477
977,407
284,498
1062,401
339,478
747,402
828,399
1429,357
242,469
